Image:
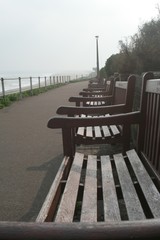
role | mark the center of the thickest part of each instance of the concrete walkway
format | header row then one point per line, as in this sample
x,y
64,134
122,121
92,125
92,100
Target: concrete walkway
x,y
30,153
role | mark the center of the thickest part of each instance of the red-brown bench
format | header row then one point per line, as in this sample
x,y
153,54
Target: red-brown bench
x,y
104,197
104,134
110,197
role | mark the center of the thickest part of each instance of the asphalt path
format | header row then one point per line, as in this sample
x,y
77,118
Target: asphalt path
x,y
30,153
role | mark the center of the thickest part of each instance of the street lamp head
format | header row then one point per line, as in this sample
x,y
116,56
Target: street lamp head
x,y
96,36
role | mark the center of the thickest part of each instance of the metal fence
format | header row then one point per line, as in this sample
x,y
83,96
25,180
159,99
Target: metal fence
x,y
21,84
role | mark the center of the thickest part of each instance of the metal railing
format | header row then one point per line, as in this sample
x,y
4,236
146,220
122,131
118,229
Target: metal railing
x,y
22,84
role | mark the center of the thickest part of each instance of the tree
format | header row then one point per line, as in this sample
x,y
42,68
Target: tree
x,y
139,53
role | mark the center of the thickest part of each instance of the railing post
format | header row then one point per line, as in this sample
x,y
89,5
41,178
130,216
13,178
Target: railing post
x,y
31,87
45,82
20,87
53,80
50,80
39,83
57,80
3,88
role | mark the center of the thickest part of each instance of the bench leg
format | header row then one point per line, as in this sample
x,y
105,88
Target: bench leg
x,y
68,142
126,137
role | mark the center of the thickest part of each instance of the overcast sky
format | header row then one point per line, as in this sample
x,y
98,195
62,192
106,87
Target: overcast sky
x,y
59,35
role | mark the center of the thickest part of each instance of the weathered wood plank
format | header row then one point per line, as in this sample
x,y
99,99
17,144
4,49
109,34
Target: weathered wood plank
x,y
106,131
133,205
114,129
89,205
153,86
52,195
150,191
156,142
81,131
95,103
121,84
89,132
111,208
67,205
97,131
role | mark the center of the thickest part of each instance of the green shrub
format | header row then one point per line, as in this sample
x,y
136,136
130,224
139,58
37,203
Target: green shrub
x,y
1,105
5,101
13,97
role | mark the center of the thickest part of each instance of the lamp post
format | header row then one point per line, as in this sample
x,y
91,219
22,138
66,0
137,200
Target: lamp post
x,y
97,55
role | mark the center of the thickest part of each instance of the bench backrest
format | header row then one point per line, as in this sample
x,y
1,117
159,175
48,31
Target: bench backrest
x,y
110,85
106,85
120,92
149,129
124,92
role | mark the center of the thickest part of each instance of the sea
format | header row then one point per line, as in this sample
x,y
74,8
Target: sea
x,y
11,78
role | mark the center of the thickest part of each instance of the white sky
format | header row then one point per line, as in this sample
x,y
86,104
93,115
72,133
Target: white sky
x,y
59,35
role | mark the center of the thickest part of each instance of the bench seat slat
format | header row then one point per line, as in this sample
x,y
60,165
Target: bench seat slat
x,y
81,131
89,132
97,131
150,191
89,206
106,131
95,103
110,202
67,205
114,129
133,205
54,192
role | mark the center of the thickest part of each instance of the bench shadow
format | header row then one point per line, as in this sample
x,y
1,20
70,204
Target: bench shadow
x,y
51,167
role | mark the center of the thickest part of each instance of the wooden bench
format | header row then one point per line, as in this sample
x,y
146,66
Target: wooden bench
x,y
101,97
96,96
104,134
106,88
104,197
98,93
95,83
120,191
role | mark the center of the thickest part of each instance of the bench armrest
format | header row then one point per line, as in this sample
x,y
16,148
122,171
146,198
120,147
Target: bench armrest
x,y
71,122
84,93
86,99
112,109
93,89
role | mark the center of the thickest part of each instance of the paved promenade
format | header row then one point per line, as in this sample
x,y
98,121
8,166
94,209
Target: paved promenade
x,y
30,153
